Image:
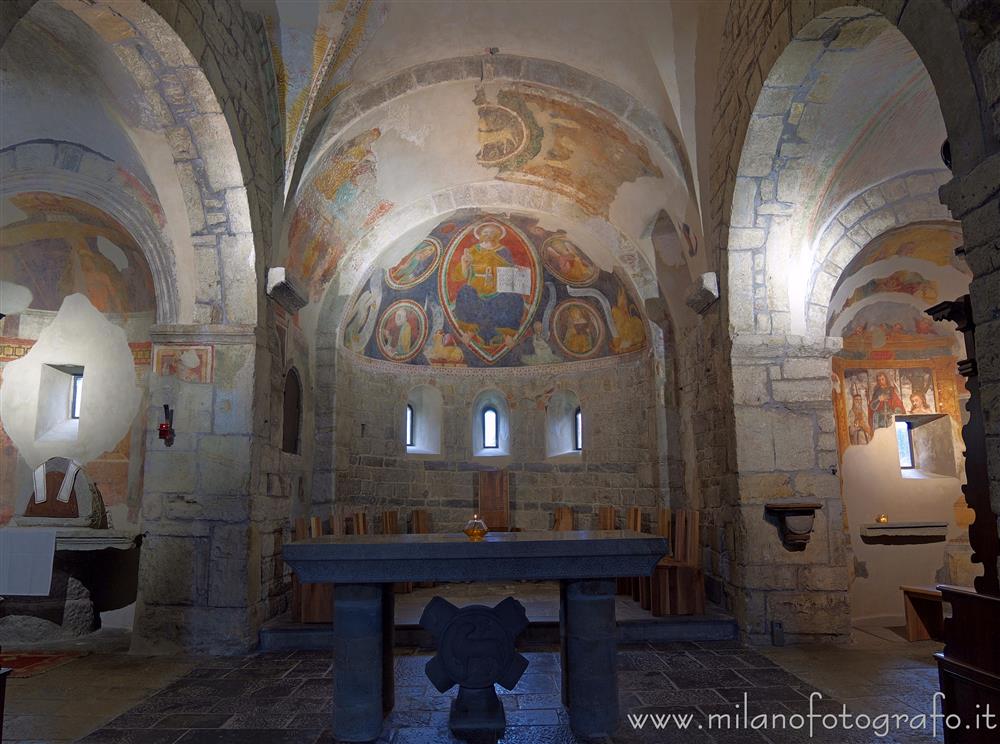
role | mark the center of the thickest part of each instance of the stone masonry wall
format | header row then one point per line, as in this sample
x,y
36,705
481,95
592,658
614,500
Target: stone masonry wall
x,y
618,465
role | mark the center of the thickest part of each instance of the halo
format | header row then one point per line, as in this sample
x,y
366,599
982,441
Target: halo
x,y
501,228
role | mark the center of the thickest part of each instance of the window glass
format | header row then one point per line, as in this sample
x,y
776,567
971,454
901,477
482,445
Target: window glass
x,y
490,428
578,440
77,396
904,443
409,425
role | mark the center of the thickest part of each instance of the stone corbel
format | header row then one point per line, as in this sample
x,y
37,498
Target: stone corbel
x,y
795,521
285,291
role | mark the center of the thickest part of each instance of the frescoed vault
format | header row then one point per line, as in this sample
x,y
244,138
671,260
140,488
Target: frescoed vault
x,y
56,246
488,290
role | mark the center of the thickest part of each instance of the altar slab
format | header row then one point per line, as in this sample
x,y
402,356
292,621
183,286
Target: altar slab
x,y
374,559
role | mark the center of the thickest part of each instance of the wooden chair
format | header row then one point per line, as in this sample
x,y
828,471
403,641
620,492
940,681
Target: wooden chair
x,y
390,526
420,524
629,585
633,522
606,517
562,521
678,583
311,603
360,523
494,499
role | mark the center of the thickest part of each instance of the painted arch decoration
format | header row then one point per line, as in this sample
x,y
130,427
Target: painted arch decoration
x,y
488,290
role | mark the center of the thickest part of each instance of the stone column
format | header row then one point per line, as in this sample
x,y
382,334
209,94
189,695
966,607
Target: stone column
x,y
974,198
358,650
199,574
786,449
588,635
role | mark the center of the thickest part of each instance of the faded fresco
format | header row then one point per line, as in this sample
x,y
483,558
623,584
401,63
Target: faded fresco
x,y
868,396
486,290
64,246
339,203
534,137
897,331
900,282
932,241
186,363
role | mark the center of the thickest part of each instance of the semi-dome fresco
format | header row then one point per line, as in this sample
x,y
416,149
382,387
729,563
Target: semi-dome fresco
x,y
489,290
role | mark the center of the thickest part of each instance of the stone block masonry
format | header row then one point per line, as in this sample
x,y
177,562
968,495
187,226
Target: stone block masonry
x,y
616,467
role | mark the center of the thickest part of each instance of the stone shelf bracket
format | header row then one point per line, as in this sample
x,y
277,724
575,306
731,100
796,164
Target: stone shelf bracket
x,y
904,533
795,521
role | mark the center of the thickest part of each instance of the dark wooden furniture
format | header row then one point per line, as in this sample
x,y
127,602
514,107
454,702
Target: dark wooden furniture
x,y
494,499
677,586
924,613
969,666
562,520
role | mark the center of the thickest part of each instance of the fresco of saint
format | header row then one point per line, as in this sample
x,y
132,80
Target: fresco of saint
x,y
858,428
402,331
918,403
631,335
490,287
884,403
415,266
564,259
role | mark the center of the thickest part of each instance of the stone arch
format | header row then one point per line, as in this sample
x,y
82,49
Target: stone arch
x,y
898,201
792,174
783,425
74,170
206,167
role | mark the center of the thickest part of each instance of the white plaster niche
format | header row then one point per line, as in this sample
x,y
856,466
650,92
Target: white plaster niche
x,y
36,394
496,401
933,445
60,403
560,425
427,405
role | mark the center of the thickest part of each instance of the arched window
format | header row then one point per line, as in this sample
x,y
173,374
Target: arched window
x,y
490,437
291,420
422,421
490,425
563,425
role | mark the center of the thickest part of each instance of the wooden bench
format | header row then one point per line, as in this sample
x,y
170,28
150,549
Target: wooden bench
x,y
924,613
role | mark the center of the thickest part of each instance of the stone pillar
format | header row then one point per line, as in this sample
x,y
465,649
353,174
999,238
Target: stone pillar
x,y
358,662
786,448
589,656
199,572
974,198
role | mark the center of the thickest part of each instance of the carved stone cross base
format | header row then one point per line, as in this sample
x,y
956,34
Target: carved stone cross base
x,y
475,651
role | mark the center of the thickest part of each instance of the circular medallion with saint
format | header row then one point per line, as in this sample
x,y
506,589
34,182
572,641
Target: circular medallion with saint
x,y
415,266
402,331
567,262
577,328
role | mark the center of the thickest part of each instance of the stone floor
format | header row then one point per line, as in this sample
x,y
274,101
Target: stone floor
x,y
279,698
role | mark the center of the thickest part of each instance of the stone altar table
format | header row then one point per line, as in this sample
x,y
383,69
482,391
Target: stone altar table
x,y
364,568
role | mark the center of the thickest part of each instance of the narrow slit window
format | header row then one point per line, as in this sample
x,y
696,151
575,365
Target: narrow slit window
x,y
904,443
409,425
578,433
490,428
77,396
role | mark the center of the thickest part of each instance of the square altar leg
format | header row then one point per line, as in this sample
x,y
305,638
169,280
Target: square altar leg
x,y
362,654
589,648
